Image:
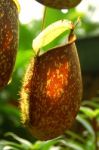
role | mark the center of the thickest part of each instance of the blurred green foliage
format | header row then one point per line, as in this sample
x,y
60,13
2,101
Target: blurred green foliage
x,y
87,137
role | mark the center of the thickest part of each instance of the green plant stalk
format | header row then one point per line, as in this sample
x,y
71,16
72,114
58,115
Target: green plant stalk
x,y
43,25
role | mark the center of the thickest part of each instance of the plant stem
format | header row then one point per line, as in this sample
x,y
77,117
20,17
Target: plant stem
x,y
43,25
44,16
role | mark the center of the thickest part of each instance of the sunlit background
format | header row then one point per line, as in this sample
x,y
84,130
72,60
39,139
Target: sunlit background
x,y
30,9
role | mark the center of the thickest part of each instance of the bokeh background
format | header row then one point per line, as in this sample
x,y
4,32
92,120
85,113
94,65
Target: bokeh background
x,y
84,134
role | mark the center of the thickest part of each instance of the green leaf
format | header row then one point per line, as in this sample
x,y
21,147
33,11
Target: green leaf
x,y
45,145
96,113
4,143
51,33
75,136
87,125
26,144
90,144
90,103
87,111
94,103
72,144
9,148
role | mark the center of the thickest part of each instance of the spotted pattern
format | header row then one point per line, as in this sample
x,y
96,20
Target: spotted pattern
x,y
8,39
60,4
55,80
54,87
